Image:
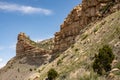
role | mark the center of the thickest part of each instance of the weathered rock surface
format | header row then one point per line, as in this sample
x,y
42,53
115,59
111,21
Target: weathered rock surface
x,y
79,17
68,30
29,56
89,11
25,46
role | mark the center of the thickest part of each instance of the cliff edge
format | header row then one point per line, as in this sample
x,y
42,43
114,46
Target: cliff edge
x,y
71,51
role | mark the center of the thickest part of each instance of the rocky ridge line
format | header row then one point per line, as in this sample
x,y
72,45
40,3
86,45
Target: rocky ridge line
x,y
83,14
25,46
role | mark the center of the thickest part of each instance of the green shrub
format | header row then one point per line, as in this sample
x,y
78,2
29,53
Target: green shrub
x,y
72,46
96,29
18,70
30,69
52,74
84,36
76,49
59,62
103,60
39,71
35,69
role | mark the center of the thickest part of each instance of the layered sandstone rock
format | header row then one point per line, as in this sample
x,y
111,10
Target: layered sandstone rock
x,y
89,11
25,46
68,30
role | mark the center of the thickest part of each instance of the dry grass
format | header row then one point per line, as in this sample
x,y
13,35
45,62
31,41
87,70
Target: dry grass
x,y
78,59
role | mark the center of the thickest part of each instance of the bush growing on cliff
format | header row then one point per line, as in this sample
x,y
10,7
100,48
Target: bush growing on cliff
x,y
30,69
103,60
52,74
59,62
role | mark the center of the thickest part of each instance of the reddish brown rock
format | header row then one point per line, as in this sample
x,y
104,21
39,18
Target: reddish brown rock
x,y
89,11
79,17
25,46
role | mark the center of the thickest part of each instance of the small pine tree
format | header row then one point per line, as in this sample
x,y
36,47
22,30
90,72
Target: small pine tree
x,y
103,60
52,74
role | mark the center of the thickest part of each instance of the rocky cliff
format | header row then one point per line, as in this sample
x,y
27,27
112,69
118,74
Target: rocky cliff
x,y
25,46
29,56
83,14
33,59
79,57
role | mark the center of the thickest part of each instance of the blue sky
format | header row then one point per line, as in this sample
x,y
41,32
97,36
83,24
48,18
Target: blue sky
x,y
39,19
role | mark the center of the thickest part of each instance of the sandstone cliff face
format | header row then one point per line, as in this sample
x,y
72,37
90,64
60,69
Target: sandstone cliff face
x,y
29,56
89,11
68,30
25,46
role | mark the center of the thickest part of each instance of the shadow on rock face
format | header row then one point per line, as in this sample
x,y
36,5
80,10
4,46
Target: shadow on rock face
x,y
36,60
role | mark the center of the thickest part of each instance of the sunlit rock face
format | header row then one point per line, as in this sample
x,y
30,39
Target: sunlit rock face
x,y
89,11
25,46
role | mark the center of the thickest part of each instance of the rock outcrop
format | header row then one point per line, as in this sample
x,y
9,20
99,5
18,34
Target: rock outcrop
x,y
31,55
25,46
68,30
76,21
89,11
79,17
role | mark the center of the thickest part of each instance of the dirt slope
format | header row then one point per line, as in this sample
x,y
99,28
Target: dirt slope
x,y
76,62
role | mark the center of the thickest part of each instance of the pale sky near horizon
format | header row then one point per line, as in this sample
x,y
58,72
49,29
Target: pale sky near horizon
x,y
39,19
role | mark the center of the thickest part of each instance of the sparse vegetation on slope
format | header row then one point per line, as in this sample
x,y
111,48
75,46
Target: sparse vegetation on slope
x,y
46,44
77,61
